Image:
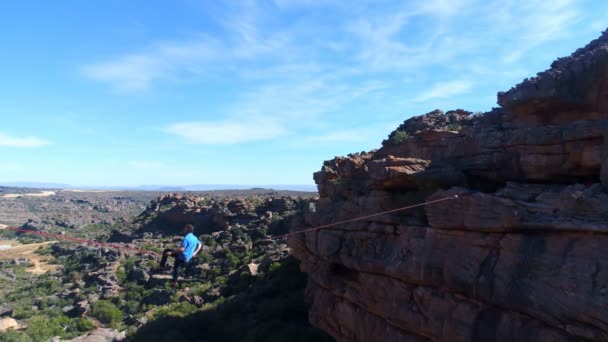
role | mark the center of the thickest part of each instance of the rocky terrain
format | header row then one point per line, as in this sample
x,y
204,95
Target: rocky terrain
x,y
241,278
88,212
69,210
519,259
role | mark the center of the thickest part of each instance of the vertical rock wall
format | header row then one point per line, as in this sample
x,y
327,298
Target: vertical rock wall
x,y
523,258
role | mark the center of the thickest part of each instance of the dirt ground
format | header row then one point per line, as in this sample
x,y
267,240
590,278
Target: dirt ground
x,y
28,251
36,194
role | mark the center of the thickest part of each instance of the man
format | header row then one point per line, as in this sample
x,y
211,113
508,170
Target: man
x,y
189,248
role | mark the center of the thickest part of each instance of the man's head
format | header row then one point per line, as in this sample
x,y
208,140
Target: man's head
x,y
188,228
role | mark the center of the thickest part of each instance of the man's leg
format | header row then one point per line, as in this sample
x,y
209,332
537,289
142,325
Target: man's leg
x,y
177,268
163,260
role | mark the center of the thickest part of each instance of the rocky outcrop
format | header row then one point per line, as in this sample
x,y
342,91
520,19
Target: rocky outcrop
x,y
575,84
68,210
169,213
519,258
102,335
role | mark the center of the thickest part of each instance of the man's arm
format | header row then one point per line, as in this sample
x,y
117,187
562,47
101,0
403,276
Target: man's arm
x,y
181,247
198,249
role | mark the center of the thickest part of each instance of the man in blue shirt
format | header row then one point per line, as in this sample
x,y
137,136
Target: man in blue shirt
x,y
189,248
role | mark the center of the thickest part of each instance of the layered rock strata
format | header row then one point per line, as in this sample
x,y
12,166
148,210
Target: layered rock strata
x,y
520,258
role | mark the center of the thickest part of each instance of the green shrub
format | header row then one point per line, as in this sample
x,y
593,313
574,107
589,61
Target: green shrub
x,y
398,136
233,260
14,336
41,328
176,310
274,266
204,257
106,312
454,126
121,275
199,289
82,325
22,312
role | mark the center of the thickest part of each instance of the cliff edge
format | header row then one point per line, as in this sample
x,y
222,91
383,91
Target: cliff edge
x,y
522,258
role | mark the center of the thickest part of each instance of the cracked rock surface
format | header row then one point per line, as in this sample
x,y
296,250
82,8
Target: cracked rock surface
x,y
521,258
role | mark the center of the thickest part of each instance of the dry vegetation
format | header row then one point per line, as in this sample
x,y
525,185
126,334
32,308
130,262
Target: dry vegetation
x,y
40,263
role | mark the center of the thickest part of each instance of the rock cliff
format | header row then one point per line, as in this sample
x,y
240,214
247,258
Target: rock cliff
x,y
521,258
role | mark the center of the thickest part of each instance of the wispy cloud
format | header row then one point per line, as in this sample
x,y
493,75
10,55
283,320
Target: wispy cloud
x,y
21,141
445,90
392,41
538,21
308,72
137,71
229,131
129,73
201,54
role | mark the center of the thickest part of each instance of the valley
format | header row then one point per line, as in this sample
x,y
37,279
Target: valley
x,y
69,289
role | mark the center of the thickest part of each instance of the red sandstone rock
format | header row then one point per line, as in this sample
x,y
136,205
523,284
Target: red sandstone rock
x,y
522,259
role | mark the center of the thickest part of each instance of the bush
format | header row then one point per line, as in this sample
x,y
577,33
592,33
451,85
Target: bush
x,y
398,136
41,328
454,126
14,336
121,275
82,325
233,260
274,266
204,257
176,310
106,312
22,312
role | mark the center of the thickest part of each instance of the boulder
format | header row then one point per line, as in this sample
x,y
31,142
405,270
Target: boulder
x,y
102,335
140,276
8,323
158,297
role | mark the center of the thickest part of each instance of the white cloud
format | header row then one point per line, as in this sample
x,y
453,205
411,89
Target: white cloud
x,y
389,41
137,71
168,60
231,131
303,99
129,73
445,90
272,110
538,22
395,40
25,141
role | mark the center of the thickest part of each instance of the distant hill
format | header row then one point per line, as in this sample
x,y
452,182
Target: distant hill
x,y
36,185
160,187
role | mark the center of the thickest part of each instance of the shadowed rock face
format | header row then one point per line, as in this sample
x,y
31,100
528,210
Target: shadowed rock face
x,y
524,258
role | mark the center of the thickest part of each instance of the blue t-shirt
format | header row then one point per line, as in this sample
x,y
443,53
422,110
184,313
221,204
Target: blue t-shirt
x,y
190,242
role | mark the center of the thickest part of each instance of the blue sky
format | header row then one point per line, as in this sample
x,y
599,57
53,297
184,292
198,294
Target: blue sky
x,y
122,93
